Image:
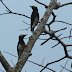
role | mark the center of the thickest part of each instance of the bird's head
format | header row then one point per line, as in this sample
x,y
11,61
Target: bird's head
x,y
34,7
21,36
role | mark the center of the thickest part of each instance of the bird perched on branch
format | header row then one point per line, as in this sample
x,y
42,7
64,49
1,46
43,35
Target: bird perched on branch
x,y
34,17
21,45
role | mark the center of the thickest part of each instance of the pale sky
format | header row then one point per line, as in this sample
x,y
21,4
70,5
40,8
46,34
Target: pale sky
x,y
11,26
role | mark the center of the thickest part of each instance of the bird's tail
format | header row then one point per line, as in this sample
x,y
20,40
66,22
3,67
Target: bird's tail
x,y
32,30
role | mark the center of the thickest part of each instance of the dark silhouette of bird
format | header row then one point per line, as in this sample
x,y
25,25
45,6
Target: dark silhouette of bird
x,y
21,45
34,17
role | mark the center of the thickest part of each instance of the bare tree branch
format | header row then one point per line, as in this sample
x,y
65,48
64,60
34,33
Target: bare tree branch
x,y
43,61
60,35
4,13
34,37
65,37
62,44
5,64
41,3
54,16
66,68
61,39
51,33
55,45
6,6
12,63
10,54
20,15
42,66
69,45
28,61
64,65
26,23
60,29
66,4
24,29
70,33
10,12
70,57
46,40
53,62
63,22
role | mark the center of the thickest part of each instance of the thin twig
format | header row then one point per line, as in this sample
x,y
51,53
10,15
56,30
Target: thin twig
x,y
70,33
12,63
21,15
51,33
64,65
64,46
53,62
59,35
69,45
4,13
65,68
43,61
55,45
6,6
10,12
24,29
66,4
10,54
16,14
41,3
26,23
61,39
41,39
65,37
43,34
61,29
41,65
29,61
46,40
63,22
54,16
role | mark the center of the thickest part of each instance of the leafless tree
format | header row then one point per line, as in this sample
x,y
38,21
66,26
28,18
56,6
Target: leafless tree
x,y
41,30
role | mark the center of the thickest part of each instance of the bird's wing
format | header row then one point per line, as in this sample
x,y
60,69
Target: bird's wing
x,y
18,49
34,19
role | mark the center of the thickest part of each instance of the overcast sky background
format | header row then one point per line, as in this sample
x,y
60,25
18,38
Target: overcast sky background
x,y
11,26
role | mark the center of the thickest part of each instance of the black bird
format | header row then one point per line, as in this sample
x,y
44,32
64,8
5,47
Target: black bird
x,y
34,17
21,45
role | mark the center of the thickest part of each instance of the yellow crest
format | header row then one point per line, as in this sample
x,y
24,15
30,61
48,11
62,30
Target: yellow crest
x,y
34,6
21,35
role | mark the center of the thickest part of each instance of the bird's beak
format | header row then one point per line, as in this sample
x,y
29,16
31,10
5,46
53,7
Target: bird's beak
x,y
25,35
31,6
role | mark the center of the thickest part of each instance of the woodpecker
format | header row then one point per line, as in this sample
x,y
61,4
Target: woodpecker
x,y
21,45
34,17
